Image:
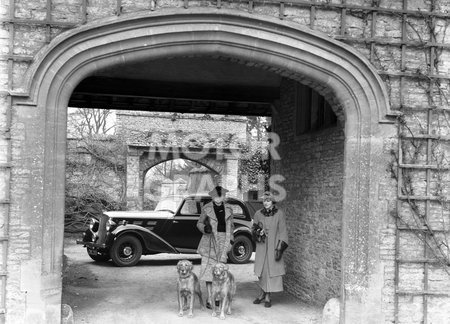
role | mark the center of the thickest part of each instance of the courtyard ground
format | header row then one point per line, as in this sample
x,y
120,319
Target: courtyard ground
x,y
102,293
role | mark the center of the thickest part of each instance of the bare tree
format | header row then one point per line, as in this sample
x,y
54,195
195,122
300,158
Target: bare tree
x,y
95,167
88,122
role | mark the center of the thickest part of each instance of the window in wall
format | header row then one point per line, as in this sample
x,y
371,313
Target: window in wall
x,y
312,111
253,195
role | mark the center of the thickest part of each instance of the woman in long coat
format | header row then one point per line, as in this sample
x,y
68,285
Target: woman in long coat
x,y
216,224
270,233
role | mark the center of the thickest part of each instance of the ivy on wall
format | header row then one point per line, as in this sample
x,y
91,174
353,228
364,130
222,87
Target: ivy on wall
x,y
420,165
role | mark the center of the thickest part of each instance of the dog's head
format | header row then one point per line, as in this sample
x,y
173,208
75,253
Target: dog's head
x,y
184,268
220,271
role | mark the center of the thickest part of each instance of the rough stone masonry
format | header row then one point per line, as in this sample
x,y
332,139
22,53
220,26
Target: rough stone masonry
x,y
399,256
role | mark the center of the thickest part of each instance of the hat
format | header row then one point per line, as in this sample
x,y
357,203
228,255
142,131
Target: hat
x,y
218,192
268,195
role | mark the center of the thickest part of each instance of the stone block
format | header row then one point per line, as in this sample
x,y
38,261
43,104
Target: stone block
x,y
66,314
331,311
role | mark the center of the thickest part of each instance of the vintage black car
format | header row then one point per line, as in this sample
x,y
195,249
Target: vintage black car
x,y
124,236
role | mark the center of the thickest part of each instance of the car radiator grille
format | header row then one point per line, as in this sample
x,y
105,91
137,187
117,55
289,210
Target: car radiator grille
x,y
102,228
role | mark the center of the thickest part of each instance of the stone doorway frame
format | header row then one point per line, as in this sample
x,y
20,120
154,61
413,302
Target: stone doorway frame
x,y
140,159
334,69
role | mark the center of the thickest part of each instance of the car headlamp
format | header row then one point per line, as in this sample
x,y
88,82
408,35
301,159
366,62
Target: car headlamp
x,y
110,224
92,222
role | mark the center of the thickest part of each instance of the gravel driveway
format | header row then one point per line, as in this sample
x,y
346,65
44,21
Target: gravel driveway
x,y
102,293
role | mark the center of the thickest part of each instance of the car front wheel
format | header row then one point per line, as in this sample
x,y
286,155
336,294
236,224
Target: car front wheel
x,y
96,256
241,250
126,251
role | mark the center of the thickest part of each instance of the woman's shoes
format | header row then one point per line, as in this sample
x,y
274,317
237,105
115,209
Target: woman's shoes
x,y
258,300
267,303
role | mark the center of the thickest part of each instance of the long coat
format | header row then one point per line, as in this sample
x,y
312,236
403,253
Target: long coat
x,y
267,248
206,246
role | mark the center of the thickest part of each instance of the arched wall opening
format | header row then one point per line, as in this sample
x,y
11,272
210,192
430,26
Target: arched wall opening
x,y
331,68
196,178
141,158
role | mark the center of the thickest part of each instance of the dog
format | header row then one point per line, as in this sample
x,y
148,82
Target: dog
x,y
223,289
187,286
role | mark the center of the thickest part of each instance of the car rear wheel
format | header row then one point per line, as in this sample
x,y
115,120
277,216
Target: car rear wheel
x,y
96,256
126,251
241,250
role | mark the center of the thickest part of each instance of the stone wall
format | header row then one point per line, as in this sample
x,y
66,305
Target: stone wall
x,y
409,92
142,127
312,165
215,136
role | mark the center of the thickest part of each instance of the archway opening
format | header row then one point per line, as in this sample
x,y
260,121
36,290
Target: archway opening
x,y
178,177
221,92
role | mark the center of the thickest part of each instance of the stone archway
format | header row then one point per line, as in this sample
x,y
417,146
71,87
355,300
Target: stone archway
x,y
141,158
334,69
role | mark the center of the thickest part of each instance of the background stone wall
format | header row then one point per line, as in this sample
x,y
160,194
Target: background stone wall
x,y
312,165
132,125
180,133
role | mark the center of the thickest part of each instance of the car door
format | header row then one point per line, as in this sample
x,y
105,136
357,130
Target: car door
x,y
238,208
183,234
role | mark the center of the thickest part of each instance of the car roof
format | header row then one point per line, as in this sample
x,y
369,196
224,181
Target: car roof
x,y
199,196
252,206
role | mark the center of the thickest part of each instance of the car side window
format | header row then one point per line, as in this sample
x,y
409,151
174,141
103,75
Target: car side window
x,y
203,202
190,207
238,211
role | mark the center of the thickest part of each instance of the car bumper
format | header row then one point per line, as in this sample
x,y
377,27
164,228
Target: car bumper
x,y
92,245
90,240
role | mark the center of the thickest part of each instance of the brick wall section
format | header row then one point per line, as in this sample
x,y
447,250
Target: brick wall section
x,y
312,165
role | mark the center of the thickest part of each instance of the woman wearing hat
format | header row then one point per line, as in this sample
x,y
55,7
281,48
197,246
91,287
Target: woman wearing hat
x,y
216,224
270,233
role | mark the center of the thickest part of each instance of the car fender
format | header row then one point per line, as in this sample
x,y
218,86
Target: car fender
x,y
242,226
152,243
241,229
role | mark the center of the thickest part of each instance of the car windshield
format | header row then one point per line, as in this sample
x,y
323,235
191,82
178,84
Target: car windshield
x,y
168,204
